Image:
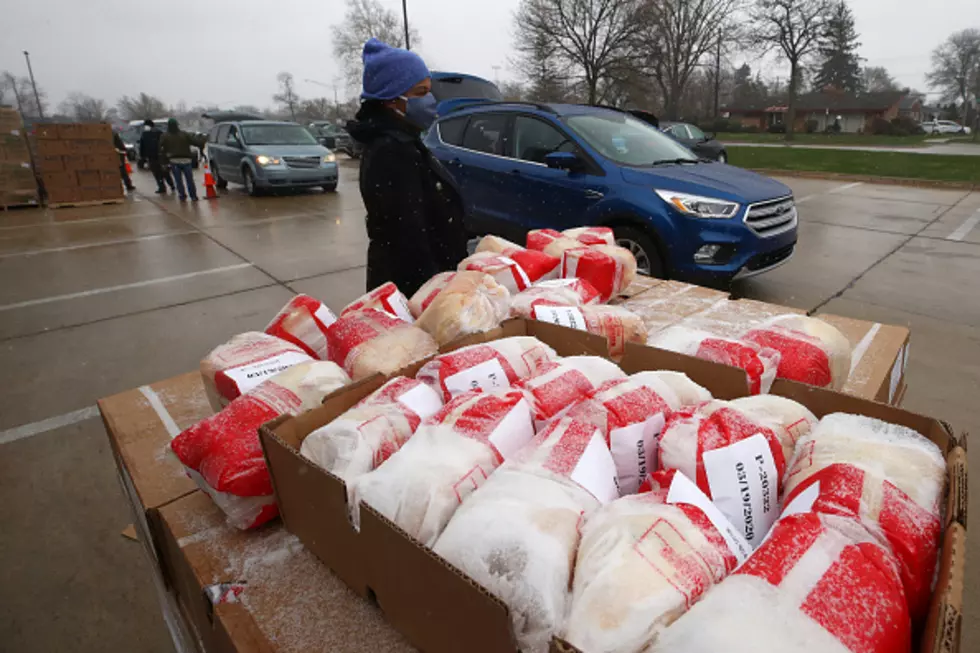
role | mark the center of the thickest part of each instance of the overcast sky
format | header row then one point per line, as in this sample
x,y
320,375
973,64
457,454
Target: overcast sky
x,y
228,52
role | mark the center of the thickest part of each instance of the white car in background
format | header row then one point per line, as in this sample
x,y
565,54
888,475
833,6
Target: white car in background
x,y
944,127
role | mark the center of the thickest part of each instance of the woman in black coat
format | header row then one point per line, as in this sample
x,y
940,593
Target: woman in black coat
x,y
414,218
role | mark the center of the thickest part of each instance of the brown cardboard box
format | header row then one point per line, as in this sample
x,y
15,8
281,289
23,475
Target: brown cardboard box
x,y
668,302
732,318
71,131
58,179
64,194
88,177
50,163
95,131
52,147
17,175
111,191
27,196
640,284
10,119
74,162
91,193
47,131
879,359
103,163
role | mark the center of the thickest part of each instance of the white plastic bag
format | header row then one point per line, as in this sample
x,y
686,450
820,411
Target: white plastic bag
x,y
504,270
304,321
471,302
537,265
610,269
556,292
386,298
811,351
614,323
592,235
428,292
369,341
558,386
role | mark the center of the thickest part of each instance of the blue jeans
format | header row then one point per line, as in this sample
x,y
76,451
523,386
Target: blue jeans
x,y
184,171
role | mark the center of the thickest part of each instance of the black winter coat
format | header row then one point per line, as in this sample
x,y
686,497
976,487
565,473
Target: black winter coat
x,y
150,144
414,217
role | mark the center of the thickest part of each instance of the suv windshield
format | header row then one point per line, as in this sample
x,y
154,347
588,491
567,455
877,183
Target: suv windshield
x,y
451,88
277,135
626,140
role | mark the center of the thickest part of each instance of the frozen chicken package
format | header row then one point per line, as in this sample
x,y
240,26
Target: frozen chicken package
x,y
428,292
386,298
370,341
614,323
452,454
592,235
811,351
737,452
609,268
369,433
471,302
551,242
818,584
558,386
494,365
504,270
555,292
537,265
643,561
223,454
516,536
304,322
888,477
760,363
232,369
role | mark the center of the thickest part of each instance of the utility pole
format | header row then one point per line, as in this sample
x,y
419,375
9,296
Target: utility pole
x,y
37,96
408,44
717,73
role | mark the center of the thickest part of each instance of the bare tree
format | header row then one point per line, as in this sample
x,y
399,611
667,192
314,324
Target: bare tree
x,y
539,65
877,78
85,108
22,94
142,106
956,68
316,109
364,19
591,38
794,28
287,93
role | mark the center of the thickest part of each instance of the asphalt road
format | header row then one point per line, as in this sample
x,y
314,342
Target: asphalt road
x,y
98,300
955,149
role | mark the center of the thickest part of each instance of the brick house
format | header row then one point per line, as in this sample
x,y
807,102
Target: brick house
x,y
856,111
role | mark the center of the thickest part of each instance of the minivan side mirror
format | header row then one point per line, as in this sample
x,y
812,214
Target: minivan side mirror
x,y
563,161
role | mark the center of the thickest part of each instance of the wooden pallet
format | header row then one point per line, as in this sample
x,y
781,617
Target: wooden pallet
x,y
23,205
63,205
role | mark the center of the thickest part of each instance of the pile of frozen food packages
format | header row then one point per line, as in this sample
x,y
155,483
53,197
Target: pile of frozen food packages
x,y
611,512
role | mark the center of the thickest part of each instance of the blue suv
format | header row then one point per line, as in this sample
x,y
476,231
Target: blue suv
x,y
521,166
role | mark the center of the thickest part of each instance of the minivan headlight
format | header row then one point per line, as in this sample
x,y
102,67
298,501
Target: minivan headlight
x,y
330,158
264,160
697,206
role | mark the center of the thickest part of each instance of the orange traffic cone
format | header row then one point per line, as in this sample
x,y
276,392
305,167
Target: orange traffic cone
x,y
129,168
209,191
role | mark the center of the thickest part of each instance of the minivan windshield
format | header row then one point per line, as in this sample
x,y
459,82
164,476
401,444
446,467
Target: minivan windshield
x,y
277,135
628,141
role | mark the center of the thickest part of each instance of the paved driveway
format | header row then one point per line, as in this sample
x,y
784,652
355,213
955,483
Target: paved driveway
x,y
956,149
98,300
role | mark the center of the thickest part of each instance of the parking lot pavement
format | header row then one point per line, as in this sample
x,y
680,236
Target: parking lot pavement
x,y
97,300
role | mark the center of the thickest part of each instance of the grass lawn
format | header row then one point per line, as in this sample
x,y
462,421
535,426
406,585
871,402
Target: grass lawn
x,y
826,139
858,162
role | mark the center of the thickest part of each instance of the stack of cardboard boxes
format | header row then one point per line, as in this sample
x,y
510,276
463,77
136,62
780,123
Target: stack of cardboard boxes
x,y
18,187
78,163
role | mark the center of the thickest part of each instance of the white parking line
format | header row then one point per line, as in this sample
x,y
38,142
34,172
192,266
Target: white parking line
x,y
125,286
805,199
121,241
49,424
966,227
841,189
66,223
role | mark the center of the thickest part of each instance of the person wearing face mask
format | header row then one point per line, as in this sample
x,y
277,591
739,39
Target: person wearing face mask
x,y
414,217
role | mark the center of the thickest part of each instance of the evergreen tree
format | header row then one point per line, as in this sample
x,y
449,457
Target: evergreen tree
x,y
840,66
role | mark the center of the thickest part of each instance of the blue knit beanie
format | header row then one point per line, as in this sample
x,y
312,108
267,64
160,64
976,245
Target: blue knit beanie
x,y
390,72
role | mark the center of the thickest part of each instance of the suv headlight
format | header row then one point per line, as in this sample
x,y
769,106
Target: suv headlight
x,y
697,206
264,160
330,158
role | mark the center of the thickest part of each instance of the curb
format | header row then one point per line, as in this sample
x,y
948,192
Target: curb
x,y
872,179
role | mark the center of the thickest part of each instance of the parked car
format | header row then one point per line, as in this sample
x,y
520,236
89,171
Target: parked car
x,y
335,138
691,137
264,154
520,166
944,127
455,90
131,138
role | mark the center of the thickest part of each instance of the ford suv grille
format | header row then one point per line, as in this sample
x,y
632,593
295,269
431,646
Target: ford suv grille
x,y
772,216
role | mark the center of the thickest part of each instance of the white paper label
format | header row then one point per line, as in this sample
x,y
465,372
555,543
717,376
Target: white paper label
x,y
421,400
566,316
684,490
325,315
248,376
743,482
803,502
596,470
399,306
634,450
488,375
556,283
523,281
514,430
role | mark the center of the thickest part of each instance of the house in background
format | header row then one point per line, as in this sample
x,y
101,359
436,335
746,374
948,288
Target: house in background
x,y
856,111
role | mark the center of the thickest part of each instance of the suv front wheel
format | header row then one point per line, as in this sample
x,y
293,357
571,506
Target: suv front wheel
x,y
648,260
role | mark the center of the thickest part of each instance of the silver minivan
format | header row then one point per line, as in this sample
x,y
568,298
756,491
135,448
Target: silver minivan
x,y
265,154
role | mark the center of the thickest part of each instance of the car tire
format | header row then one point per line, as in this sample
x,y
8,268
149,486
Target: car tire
x,y
248,181
722,157
219,181
330,188
643,248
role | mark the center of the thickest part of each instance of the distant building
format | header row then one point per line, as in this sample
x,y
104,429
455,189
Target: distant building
x,y
856,111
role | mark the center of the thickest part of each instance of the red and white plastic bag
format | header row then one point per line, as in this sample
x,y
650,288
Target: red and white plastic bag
x,y
223,455
610,269
818,583
505,271
555,292
385,297
516,536
370,341
614,323
472,302
558,386
737,453
760,363
811,351
452,454
537,265
552,243
369,433
245,361
492,366
886,476
643,561
303,322
428,292
592,235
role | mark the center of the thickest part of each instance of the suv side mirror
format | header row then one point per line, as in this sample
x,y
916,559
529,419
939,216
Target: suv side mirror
x,y
563,161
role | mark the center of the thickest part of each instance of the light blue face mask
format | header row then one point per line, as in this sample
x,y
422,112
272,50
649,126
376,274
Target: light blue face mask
x,y
420,111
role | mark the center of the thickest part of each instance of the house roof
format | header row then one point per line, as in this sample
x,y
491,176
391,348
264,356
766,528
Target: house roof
x,y
909,102
878,101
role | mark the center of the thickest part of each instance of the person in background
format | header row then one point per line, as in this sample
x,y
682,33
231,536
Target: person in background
x,y
414,217
117,142
175,147
150,152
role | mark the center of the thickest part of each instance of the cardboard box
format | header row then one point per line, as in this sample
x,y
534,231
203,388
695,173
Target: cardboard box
x,y
103,163
880,355
732,318
18,197
95,131
436,606
64,194
88,177
668,302
10,119
74,162
71,131
52,148
91,193
640,284
50,163
47,131
111,191
58,179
